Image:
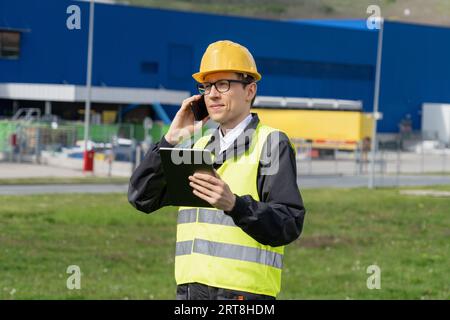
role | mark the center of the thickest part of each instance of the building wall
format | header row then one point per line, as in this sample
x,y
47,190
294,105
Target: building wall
x,y
151,48
140,47
415,69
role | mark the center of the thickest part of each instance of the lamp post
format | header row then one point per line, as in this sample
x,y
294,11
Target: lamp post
x,y
376,99
87,160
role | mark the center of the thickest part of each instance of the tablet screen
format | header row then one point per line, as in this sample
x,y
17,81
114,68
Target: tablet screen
x,y
178,164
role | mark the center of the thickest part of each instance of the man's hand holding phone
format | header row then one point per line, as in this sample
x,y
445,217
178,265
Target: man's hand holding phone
x,y
184,125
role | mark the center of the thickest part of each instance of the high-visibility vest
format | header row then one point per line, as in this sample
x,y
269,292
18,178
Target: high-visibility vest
x,y
212,250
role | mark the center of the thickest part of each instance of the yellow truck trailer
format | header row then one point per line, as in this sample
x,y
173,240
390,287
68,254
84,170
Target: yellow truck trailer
x,y
335,125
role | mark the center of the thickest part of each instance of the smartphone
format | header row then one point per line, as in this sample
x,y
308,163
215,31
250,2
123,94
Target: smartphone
x,y
199,110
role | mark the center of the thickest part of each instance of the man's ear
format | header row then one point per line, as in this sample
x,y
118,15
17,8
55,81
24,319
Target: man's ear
x,y
251,91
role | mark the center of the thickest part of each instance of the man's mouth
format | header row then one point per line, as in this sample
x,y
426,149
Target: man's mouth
x,y
216,106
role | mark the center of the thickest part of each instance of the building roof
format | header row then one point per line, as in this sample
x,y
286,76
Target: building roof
x,y
356,24
74,93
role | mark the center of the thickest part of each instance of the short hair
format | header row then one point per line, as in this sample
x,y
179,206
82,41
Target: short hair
x,y
249,79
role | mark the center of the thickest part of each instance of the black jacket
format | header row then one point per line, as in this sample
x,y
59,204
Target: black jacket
x,y
275,220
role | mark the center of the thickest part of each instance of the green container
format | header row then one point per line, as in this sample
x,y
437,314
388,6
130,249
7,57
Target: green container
x,y
7,128
98,133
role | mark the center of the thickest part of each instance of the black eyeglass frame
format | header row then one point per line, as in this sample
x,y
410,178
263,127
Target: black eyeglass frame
x,y
202,90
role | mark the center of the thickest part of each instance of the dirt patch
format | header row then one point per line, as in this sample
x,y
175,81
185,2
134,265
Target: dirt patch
x,y
429,193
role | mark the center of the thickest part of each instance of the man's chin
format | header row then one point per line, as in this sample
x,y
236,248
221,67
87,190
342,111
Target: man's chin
x,y
217,118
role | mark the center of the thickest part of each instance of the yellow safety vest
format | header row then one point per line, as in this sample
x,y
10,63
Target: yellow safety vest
x,y
212,250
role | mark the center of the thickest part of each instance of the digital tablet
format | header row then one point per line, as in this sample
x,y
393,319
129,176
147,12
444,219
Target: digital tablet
x,y
178,164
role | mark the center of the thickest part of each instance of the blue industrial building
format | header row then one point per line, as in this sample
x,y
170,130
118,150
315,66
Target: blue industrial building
x,y
146,55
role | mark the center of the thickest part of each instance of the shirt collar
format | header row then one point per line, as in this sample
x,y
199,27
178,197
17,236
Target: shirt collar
x,y
232,134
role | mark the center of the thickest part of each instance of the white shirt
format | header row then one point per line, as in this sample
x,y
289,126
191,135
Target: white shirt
x,y
232,134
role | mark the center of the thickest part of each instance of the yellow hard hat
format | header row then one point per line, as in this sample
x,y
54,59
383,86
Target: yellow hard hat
x,y
226,56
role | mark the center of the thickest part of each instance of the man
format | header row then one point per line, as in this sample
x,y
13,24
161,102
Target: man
x,y
235,250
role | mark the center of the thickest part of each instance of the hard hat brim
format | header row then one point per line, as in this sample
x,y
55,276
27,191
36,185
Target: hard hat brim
x,y
200,76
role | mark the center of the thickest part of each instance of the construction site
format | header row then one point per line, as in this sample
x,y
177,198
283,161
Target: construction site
x,y
83,101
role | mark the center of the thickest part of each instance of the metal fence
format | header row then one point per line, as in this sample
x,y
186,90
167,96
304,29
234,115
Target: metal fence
x,y
413,153
31,141
396,155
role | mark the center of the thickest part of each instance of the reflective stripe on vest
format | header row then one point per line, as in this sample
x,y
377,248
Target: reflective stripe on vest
x,y
183,247
187,216
205,216
230,251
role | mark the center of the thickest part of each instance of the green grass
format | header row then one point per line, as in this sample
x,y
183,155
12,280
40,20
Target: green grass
x,y
68,180
126,254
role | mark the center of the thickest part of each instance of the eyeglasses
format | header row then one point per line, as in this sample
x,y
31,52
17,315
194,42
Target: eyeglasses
x,y
221,85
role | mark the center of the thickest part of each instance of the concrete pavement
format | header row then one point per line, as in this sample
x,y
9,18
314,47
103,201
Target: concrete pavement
x,y
9,170
28,170
309,182
330,181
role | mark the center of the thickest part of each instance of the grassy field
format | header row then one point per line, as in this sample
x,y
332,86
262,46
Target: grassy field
x,y
124,254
